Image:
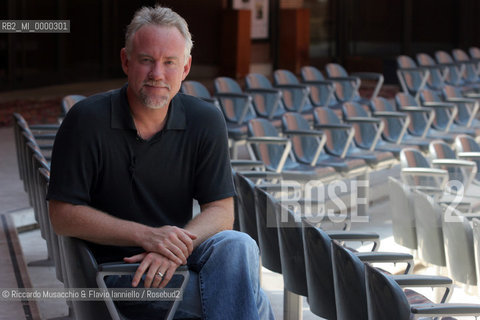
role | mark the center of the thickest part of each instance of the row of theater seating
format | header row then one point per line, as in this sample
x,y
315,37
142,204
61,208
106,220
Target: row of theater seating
x,y
433,205
425,220
261,99
460,165
332,285
319,284
75,265
338,282
456,70
284,127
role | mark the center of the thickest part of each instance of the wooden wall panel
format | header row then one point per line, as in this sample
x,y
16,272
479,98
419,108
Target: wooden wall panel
x,y
235,56
294,39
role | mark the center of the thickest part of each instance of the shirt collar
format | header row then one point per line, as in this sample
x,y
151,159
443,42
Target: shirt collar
x,y
121,117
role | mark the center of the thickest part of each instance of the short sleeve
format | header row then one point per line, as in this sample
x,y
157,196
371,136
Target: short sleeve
x,y
74,158
213,173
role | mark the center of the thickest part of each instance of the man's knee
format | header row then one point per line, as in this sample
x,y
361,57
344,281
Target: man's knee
x,y
234,240
225,248
229,245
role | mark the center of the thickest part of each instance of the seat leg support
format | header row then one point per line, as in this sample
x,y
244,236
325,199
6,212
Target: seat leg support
x,y
292,306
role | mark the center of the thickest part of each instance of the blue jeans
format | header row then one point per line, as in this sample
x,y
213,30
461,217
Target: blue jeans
x,y
224,283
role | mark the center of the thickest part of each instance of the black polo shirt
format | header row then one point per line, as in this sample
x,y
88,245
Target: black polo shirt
x,y
99,161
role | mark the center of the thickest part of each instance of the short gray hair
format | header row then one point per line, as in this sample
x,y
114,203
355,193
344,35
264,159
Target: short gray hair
x,y
158,16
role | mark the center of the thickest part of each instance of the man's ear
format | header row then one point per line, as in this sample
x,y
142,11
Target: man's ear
x,y
186,68
124,58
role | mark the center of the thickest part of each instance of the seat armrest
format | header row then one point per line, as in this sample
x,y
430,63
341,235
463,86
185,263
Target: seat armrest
x,y
387,257
271,140
441,175
263,90
373,257
427,172
353,235
430,190
440,104
362,120
450,309
340,126
415,109
454,163
356,236
469,155
232,95
472,95
292,86
307,133
318,82
426,281
390,114
120,268
413,280
461,99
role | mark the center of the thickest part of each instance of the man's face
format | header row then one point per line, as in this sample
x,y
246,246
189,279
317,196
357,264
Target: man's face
x,y
156,66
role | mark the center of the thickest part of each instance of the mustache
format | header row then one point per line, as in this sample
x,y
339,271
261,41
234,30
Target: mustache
x,y
154,83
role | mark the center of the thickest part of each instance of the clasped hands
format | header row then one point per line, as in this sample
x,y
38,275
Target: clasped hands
x,y
166,248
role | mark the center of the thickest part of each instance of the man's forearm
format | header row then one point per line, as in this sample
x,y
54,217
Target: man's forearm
x,y
93,225
215,216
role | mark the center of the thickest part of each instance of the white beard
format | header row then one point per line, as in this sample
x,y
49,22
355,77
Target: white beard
x,y
153,102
